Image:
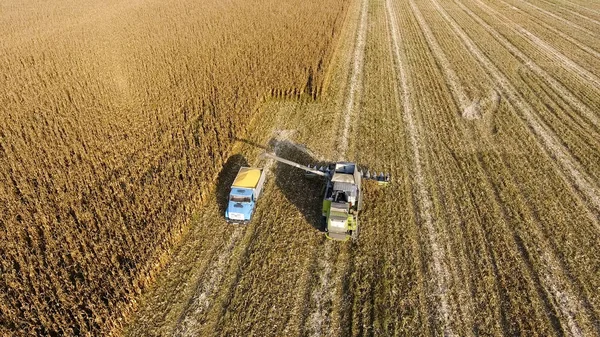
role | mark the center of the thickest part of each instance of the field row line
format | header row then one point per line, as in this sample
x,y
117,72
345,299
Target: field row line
x,y
556,31
386,260
439,56
549,139
323,294
573,12
582,72
356,79
470,111
528,62
550,144
203,296
561,19
455,85
542,45
587,9
423,197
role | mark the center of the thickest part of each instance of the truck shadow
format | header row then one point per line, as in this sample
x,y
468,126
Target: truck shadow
x,y
226,178
304,193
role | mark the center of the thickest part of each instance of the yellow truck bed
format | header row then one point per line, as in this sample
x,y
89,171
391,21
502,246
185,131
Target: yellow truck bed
x,y
247,177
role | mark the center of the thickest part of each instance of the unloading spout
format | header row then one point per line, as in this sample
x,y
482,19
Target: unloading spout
x,y
291,163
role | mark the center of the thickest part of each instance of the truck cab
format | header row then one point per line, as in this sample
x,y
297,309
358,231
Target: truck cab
x,y
245,191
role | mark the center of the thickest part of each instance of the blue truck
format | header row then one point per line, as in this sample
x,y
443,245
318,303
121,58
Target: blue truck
x,y
245,191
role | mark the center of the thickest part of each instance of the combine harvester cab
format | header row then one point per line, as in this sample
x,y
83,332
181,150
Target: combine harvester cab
x,y
342,202
245,191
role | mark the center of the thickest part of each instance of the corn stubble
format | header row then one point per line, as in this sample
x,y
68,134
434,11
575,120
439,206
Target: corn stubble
x,y
114,121
518,237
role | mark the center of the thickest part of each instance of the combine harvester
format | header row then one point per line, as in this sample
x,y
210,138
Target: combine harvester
x,y
342,201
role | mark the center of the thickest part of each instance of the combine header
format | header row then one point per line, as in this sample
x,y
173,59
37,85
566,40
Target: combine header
x,y
342,201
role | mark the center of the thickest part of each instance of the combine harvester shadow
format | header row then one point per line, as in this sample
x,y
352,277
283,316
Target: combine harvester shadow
x,y
304,193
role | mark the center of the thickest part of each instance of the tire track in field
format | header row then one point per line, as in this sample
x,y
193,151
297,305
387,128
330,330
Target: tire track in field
x,y
356,79
322,295
582,72
579,45
467,108
202,301
528,62
203,298
552,273
161,312
424,198
566,302
301,300
540,131
573,12
515,239
561,19
583,8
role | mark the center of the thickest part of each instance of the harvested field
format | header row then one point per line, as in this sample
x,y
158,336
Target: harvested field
x,y
485,112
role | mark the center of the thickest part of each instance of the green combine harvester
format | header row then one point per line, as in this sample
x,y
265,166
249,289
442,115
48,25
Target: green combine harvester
x,y
342,201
